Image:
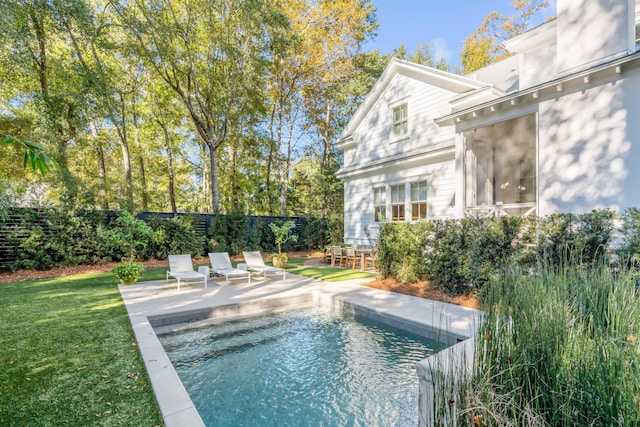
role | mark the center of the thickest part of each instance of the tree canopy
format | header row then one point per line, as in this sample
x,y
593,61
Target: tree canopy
x,y
193,105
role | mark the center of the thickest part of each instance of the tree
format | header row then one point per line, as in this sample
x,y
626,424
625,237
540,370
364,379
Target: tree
x,y
212,54
485,45
424,54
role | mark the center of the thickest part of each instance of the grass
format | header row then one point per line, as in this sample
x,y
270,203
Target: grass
x,y
325,272
68,355
558,348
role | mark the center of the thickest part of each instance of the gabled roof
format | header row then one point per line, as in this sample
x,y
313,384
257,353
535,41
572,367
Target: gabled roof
x,y
433,76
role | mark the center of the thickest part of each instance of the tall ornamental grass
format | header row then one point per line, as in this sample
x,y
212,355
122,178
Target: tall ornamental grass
x,y
558,348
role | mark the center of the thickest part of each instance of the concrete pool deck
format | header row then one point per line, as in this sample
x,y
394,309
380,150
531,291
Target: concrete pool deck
x,y
158,299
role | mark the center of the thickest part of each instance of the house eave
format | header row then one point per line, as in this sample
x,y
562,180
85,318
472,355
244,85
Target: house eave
x,y
443,79
513,99
405,161
542,34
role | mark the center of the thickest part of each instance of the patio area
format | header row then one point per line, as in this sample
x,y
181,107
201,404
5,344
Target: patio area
x,y
152,301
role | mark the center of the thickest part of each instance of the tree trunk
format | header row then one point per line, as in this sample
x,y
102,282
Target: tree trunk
x,y
143,177
170,171
213,163
102,166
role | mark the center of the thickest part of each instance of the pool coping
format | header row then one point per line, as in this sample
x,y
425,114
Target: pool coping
x,y
149,302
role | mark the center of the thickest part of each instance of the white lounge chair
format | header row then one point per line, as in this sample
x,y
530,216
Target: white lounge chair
x,y
256,263
181,267
221,264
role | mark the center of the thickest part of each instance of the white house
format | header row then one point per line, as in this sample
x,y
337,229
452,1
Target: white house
x,y
555,127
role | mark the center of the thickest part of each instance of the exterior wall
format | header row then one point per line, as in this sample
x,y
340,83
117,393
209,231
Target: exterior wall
x,y
538,66
374,137
589,146
593,31
358,195
374,142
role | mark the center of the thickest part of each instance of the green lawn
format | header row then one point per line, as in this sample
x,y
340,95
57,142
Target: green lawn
x,y
325,272
68,355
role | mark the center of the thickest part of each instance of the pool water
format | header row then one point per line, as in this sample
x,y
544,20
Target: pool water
x,y
306,367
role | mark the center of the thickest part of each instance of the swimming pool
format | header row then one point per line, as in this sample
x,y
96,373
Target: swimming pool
x,y
297,367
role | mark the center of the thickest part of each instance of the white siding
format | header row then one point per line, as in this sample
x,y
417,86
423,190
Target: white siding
x,y
589,147
374,137
358,203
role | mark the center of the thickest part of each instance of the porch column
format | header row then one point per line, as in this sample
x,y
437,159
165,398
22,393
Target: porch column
x,y
460,176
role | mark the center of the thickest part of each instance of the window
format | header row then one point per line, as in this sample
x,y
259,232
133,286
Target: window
x,y
397,202
526,181
418,200
400,121
379,204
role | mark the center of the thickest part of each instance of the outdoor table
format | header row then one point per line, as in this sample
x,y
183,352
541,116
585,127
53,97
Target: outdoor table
x,y
363,253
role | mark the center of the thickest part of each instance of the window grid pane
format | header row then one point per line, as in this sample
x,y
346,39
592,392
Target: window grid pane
x,y
400,120
418,200
379,204
397,202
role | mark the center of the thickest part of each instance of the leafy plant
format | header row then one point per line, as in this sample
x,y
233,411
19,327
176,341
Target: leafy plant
x,y
282,233
128,272
129,237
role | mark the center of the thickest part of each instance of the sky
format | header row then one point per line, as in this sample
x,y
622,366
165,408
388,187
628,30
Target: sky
x,y
443,24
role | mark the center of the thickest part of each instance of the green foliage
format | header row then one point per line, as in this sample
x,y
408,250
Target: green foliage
x,y
228,233
177,235
491,245
559,347
35,155
129,272
282,233
58,236
630,250
400,250
129,238
570,238
446,255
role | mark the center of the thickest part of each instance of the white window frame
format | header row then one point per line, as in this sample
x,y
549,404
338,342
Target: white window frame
x,y
419,201
401,120
380,205
400,202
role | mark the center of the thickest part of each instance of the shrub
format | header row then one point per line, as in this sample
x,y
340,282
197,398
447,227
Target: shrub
x,y
58,236
445,255
400,250
570,238
128,238
630,250
177,235
491,246
128,273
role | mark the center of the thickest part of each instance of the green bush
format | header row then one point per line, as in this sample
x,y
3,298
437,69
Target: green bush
x,y
129,238
176,235
445,257
129,272
400,250
630,248
575,238
58,236
491,246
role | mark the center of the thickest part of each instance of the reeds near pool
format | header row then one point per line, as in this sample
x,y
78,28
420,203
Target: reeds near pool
x,y
556,348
